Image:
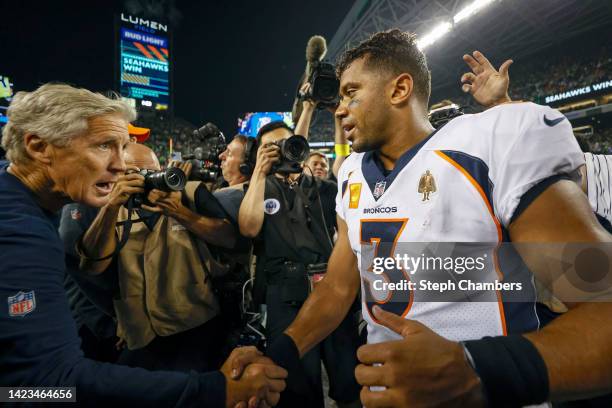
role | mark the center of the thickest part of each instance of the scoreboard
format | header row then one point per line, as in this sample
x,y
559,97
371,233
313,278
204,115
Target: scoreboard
x,y
6,93
251,122
144,61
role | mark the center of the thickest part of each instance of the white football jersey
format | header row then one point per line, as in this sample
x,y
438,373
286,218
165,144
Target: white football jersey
x,y
599,183
461,184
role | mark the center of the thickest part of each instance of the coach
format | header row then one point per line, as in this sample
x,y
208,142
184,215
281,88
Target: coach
x,y
66,144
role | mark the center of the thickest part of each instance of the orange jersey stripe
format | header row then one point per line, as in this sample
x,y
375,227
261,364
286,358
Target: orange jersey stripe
x,y
478,188
497,225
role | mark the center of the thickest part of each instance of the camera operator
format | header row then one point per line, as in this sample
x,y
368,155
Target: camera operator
x,y
293,215
166,311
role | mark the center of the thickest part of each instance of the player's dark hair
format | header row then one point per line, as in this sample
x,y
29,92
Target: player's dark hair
x,y
277,124
396,52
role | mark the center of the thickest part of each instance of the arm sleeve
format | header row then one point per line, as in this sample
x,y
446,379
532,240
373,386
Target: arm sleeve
x,y
75,220
539,145
207,203
101,384
230,199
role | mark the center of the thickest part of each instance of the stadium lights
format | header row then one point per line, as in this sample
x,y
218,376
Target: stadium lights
x,y
434,35
470,10
443,28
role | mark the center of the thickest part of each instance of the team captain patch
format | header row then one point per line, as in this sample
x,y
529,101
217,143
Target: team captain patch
x,y
22,303
355,194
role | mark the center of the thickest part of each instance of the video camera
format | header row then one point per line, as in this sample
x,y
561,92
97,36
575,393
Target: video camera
x,y
205,162
441,116
171,179
324,85
293,152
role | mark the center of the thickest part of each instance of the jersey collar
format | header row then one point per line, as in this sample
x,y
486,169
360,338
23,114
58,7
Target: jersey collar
x,y
374,172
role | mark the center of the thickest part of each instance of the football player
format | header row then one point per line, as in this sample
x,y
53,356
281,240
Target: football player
x,y
509,180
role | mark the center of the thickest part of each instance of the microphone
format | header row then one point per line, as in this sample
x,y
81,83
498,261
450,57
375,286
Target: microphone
x,y
316,48
315,52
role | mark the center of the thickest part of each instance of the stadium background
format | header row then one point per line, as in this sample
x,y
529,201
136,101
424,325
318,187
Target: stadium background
x,y
561,52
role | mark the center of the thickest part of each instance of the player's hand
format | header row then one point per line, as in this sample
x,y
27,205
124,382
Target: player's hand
x,y
127,184
267,155
252,379
422,369
488,86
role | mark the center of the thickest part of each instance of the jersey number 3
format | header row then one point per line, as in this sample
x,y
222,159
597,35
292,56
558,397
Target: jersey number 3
x,y
383,235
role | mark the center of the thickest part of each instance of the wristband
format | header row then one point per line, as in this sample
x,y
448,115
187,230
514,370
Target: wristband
x,y
284,353
342,150
511,370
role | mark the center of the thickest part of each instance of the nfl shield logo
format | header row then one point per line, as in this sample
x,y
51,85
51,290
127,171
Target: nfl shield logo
x,y
22,303
379,189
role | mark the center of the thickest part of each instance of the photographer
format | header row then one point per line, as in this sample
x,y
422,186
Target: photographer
x,y
166,310
233,161
293,215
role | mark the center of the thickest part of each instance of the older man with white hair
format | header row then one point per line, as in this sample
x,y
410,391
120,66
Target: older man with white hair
x,y
66,144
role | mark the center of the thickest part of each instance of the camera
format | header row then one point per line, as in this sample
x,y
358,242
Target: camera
x,y
203,167
205,162
293,152
324,85
171,179
441,116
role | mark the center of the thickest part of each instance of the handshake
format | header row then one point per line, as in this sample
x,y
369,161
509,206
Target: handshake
x,y
252,380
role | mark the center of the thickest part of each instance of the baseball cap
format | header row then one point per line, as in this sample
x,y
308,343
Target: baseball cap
x,y
141,134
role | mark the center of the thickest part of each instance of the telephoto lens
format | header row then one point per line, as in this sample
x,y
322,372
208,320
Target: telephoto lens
x,y
171,179
295,148
293,152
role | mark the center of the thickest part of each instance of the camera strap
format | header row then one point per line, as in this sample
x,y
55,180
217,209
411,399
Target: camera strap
x,y
125,235
316,226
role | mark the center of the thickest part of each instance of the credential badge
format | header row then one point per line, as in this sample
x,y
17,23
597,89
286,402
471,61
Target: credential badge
x,y
271,206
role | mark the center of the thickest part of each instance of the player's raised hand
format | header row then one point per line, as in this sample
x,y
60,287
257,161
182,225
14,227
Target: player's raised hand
x,y
422,369
488,86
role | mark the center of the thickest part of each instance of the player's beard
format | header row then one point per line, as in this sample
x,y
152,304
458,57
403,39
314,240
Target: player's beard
x,y
366,145
368,140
